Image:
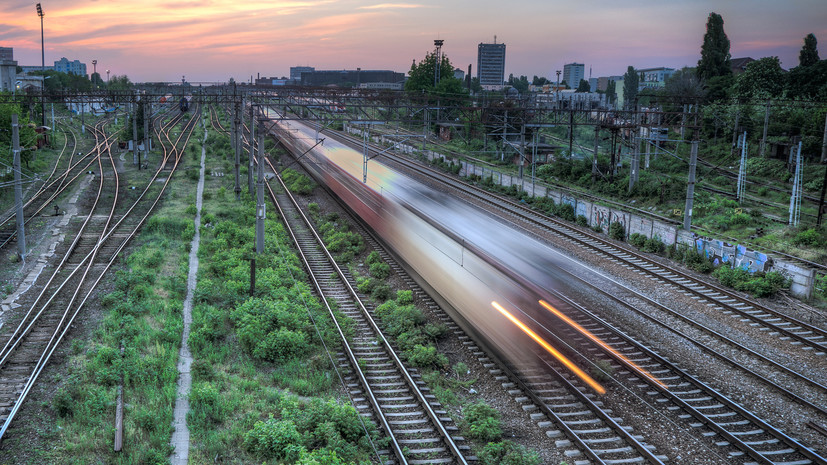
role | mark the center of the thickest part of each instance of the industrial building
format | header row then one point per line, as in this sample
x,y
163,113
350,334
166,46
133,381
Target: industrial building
x,y
491,65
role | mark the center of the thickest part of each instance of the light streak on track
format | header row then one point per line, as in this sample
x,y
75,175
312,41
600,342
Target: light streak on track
x,y
559,356
602,344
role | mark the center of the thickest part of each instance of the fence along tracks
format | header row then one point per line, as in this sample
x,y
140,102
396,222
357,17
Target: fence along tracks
x,y
95,248
400,403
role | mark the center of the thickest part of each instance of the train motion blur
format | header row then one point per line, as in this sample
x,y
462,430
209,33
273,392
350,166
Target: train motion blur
x,y
457,250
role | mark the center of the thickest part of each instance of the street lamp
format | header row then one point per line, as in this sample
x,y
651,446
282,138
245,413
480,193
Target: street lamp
x,y
558,87
42,65
107,77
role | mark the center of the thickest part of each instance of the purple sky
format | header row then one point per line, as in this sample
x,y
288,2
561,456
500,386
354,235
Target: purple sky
x,y
213,40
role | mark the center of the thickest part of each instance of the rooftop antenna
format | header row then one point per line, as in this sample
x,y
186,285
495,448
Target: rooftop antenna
x,y
495,38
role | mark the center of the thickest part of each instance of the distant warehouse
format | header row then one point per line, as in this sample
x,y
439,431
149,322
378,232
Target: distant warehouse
x,y
351,78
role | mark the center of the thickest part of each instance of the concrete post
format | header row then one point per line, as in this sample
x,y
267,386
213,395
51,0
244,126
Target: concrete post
x,y
766,124
690,190
18,188
237,145
260,208
251,168
135,136
596,146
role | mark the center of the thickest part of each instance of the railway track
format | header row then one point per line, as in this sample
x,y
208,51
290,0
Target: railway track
x,y
55,184
105,232
401,406
796,453
565,409
798,333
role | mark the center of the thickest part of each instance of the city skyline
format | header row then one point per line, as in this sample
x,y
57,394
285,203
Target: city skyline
x,y
213,40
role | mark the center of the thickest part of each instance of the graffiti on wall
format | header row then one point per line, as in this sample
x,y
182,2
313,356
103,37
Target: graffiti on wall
x,y
603,217
736,255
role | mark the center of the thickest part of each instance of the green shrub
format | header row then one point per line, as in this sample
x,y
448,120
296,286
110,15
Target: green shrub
x,y
206,407
379,270
482,422
582,221
191,209
366,285
810,238
404,297
507,453
654,245
381,293
297,182
426,357
278,439
313,208
637,240
617,231
373,257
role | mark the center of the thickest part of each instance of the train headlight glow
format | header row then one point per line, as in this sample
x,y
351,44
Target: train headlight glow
x,y
559,356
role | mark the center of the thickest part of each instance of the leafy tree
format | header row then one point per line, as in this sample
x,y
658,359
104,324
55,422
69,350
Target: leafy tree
x,y
584,86
611,91
762,79
96,80
684,85
809,52
719,87
630,84
715,50
540,81
808,82
421,77
56,81
26,132
521,83
120,83
476,87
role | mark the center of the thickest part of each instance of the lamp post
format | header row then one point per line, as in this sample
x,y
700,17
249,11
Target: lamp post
x,y
107,77
42,65
557,88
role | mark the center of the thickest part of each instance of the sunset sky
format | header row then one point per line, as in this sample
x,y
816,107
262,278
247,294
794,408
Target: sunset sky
x,y
213,40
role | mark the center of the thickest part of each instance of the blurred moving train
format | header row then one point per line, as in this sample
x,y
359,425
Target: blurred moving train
x,y
184,104
499,282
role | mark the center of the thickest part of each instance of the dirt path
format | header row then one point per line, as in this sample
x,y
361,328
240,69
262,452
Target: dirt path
x,y
181,436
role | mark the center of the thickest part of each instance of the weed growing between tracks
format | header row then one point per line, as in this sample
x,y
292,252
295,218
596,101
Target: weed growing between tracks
x,y
143,315
263,385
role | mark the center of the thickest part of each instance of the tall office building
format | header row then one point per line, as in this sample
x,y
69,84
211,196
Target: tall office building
x,y
491,65
70,67
573,73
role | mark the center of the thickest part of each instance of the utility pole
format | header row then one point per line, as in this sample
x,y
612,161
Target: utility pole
x,y
18,188
648,150
735,131
824,142
690,190
260,209
742,171
766,124
594,157
237,146
135,160
251,168
795,199
147,136
571,129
